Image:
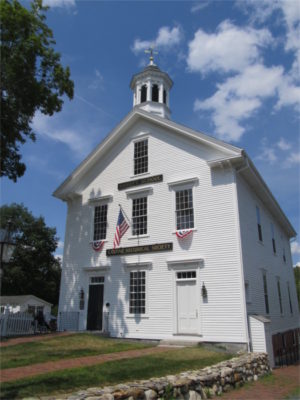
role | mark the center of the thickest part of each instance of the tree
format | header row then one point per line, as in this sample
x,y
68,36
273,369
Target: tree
x,y
33,269
32,78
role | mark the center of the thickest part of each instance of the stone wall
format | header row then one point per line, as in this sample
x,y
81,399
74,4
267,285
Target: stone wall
x,y
190,385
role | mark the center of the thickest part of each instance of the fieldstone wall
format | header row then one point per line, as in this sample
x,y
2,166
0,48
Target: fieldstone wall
x,y
190,385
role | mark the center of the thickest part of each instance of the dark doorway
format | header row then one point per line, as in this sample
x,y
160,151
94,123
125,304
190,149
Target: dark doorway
x,y
95,308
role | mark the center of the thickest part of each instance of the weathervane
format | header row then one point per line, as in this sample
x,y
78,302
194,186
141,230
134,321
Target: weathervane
x,y
151,51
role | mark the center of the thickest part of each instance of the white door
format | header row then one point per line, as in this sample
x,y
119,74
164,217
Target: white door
x,y
187,310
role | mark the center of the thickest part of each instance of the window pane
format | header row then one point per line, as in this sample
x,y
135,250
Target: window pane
x,y
141,157
137,297
184,209
139,216
100,222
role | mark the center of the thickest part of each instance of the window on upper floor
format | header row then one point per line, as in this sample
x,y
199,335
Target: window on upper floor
x,y
265,288
259,229
273,238
100,222
137,299
290,300
141,157
279,296
184,209
139,216
143,93
247,292
155,93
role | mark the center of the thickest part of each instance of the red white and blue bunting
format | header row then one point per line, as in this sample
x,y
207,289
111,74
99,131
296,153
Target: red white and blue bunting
x,y
97,245
183,233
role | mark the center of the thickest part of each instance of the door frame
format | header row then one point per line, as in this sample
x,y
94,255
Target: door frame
x,y
175,266
90,283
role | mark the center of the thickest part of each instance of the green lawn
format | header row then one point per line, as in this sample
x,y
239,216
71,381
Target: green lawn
x,y
112,372
73,346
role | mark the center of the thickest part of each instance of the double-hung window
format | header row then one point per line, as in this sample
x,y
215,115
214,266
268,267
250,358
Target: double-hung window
x,y
290,300
137,300
273,238
260,237
141,157
279,296
100,222
266,293
139,216
184,209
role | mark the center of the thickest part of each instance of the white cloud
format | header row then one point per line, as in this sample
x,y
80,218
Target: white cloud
x,y
76,141
231,48
59,3
283,144
166,38
292,160
200,5
281,152
97,81
239,97
295,247
60,244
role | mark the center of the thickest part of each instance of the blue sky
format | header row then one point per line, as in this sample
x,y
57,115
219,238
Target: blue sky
x,y
235,67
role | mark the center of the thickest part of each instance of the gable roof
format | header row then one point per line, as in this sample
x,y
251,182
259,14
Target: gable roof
x,y
65,189
233,156
19,300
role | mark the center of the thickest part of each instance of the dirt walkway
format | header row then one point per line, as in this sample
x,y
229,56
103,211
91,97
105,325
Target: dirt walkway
x,y
36,338
11,374
285,381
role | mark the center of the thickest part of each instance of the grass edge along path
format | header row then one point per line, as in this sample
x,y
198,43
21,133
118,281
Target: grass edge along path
x,y
63,348
112,372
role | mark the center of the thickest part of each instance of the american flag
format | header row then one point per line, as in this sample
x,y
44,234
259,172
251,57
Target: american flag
x,y
121,229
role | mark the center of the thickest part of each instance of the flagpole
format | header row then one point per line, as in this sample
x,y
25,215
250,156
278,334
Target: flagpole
x,y
130,222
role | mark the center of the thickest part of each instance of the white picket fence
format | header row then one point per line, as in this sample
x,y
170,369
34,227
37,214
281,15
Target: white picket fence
x,y
16,324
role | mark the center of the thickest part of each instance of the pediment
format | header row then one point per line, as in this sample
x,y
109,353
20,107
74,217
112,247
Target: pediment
x,y
139,123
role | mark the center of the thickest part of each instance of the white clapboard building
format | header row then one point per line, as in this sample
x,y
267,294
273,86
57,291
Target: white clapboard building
x,y
207,254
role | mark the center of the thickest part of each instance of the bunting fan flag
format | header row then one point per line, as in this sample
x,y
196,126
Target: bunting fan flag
x,y
183,233
97,245
121,229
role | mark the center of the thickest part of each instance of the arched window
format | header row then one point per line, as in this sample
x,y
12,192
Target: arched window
x,y
155,93
144,94
165,97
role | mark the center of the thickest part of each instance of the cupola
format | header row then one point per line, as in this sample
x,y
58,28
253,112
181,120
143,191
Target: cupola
x,y
151,89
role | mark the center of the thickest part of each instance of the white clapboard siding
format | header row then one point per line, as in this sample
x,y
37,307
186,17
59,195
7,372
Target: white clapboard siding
x,y
215,240
259,257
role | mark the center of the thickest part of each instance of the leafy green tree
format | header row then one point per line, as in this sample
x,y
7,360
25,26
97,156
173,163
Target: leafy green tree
x,y
32,78
33,269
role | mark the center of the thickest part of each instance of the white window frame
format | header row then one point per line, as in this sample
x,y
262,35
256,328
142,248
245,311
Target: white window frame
x,y
290,299
259,224
179,185
101,204
273,241
141,138
136,194
279,295
266,293
99,201
142,266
